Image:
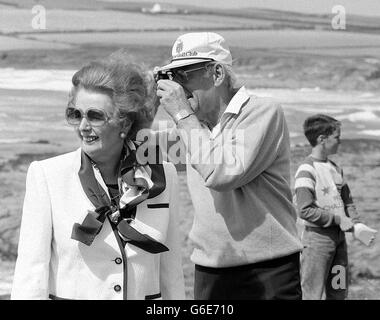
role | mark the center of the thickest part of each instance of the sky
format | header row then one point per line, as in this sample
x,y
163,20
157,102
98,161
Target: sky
x,y
360,7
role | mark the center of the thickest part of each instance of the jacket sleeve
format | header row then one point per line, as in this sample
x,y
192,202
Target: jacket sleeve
x,y
243,153
171,271
31,278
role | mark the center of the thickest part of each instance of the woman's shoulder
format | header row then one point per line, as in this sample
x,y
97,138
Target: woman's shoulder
x,y
170,169
59,162
171,176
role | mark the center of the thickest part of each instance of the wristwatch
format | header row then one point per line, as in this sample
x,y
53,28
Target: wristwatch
x,y
182,114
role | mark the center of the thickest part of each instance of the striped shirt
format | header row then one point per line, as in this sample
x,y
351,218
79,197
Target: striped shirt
x,y
322,193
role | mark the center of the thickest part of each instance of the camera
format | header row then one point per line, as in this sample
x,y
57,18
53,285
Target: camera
x,y
162,74
167,74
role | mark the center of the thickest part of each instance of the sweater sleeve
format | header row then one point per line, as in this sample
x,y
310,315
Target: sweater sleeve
x,y
306,199
240,154
349,206
31,276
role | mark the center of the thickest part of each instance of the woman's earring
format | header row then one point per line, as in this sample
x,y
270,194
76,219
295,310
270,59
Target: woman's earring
x,y
123,135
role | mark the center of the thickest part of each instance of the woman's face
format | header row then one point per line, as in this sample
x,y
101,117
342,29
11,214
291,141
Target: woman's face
x,y
100,143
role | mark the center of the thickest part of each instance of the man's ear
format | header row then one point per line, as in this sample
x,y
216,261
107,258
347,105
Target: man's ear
x,y
321,139
219,74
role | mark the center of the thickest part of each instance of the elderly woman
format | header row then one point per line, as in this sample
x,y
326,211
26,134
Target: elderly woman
x,y
97,223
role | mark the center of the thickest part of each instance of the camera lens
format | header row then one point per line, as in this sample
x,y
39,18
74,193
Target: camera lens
x,y
160,75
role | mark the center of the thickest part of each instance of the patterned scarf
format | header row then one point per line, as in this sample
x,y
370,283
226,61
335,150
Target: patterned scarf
x,y
136,183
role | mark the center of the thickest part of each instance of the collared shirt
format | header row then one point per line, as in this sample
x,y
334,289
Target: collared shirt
x,y
233,108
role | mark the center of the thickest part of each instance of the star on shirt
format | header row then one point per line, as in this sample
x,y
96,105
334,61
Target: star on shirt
x,y
325,190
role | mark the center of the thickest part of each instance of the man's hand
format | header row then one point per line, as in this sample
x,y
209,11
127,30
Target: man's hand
x,y
344,223
172,97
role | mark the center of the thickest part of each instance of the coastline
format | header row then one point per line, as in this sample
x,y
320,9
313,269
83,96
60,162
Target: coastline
x,y
259,67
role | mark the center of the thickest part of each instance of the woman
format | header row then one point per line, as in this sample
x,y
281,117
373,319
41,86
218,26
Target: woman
x,y
97,224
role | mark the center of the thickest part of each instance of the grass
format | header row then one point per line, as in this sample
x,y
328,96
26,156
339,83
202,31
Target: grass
x,y
58,20
277,68
276,19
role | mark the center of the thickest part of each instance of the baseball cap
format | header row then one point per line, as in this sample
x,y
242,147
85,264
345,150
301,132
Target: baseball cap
x,y
196,47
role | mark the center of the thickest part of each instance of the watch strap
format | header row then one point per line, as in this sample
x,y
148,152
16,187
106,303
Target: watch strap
x,y
182,114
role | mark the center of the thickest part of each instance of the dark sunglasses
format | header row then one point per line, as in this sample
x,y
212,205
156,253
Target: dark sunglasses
x,y
182,75
95,117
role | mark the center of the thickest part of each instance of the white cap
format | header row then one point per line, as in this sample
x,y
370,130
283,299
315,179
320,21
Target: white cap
x,y
191,48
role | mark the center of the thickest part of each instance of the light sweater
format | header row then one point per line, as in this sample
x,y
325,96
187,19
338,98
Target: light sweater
x,y
239,181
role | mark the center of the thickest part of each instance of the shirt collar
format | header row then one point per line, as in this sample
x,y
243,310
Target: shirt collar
x,y
237,101
233,107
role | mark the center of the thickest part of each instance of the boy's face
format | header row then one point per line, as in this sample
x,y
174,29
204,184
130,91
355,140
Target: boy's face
x,y
332,142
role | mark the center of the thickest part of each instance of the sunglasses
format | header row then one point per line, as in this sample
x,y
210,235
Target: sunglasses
x,y
182,75
95,117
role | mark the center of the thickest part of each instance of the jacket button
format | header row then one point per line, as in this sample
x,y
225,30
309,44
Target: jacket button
x,y
118,260
117,288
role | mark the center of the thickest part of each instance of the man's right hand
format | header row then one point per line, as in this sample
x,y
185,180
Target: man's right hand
x,y
344,223
173,97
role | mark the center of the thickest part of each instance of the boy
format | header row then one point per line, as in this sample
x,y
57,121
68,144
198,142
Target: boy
x,y
324,203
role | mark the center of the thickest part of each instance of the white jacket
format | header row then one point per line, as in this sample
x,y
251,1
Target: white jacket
x,y
50,263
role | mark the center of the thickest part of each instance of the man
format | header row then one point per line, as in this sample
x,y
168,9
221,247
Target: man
x,y
244,231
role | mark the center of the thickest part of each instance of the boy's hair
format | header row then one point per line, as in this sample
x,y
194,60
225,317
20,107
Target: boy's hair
x,y
317,125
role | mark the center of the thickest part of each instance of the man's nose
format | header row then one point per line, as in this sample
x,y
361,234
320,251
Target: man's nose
x,y
84,124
